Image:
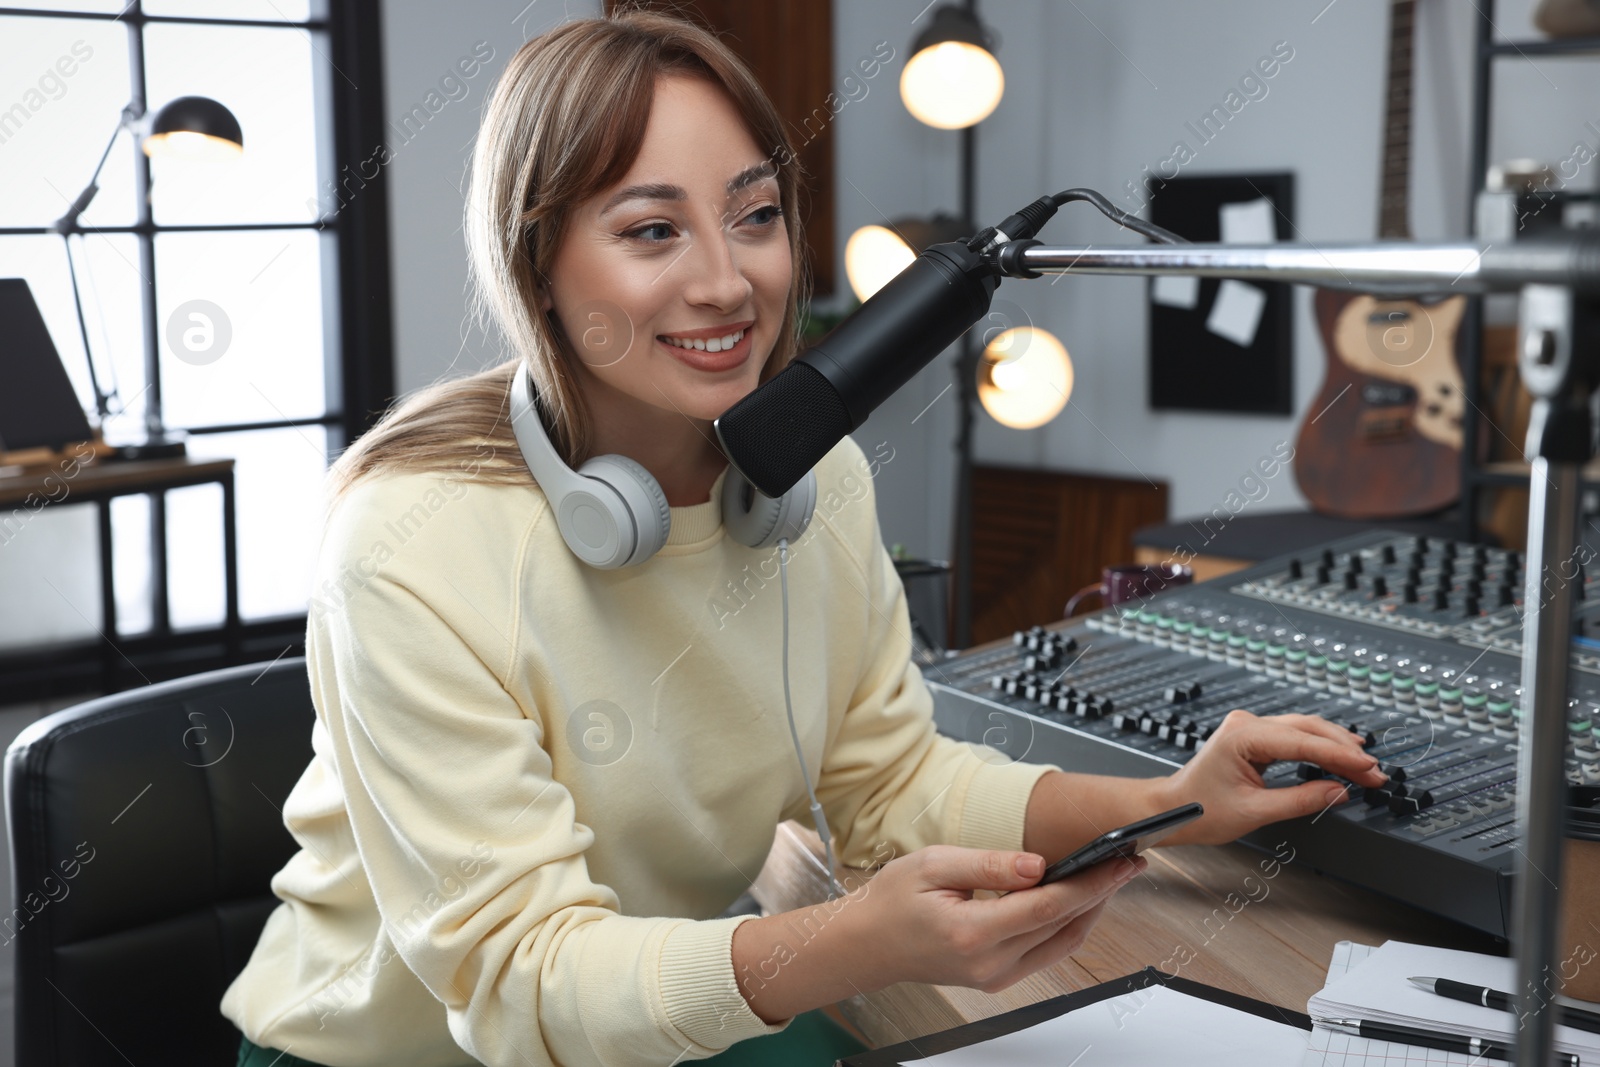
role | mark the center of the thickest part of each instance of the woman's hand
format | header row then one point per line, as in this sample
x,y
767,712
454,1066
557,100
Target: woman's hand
x,y
1225,775
917,919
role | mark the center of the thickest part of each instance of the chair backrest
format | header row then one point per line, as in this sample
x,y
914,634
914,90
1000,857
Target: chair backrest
x,y
145,830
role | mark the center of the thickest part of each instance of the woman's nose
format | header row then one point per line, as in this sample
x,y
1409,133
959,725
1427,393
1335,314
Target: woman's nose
x,y
716,277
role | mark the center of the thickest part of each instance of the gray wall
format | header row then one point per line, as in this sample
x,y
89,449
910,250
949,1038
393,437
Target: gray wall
x,y
1096,90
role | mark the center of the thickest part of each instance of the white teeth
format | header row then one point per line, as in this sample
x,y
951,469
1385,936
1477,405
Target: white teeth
x,y
715,344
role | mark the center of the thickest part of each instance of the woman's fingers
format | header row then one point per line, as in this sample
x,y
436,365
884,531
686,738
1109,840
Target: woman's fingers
x,y
1043,908
950,867
1052,949
1271,739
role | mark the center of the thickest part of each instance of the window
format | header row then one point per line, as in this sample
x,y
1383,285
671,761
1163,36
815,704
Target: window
x,y
258,245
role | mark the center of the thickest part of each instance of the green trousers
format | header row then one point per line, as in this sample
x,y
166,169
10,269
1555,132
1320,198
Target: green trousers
x,y
812,1040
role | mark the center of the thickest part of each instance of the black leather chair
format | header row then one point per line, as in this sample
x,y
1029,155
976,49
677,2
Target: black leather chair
x,y
145,830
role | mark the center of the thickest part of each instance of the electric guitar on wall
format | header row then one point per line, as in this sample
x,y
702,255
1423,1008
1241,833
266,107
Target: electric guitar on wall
x,y
1383,438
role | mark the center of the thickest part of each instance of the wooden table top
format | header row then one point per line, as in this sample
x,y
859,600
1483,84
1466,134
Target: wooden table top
x,y
1208,913
62,480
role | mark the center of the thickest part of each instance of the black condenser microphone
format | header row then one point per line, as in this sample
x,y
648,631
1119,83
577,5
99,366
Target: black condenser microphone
x,y
783,428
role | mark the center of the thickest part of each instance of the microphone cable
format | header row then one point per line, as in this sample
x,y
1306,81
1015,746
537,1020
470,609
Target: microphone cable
x,y
835,890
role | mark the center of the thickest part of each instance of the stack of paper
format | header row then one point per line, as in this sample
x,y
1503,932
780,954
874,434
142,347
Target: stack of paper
x,y
1376,990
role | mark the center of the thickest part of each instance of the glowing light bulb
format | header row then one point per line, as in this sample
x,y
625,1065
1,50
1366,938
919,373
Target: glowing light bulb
x,y
952,85
873,255
1025,377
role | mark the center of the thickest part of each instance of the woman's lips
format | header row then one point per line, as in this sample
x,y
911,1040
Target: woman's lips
x,y
727,359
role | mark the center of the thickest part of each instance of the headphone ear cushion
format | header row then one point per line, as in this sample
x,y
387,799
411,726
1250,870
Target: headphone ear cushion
x,y
759,521
642,495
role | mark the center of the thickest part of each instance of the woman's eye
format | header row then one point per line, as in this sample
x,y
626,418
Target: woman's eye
x,y
662,231
765,215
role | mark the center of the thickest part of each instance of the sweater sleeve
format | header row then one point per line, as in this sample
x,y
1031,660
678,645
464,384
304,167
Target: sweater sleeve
x,y
473,851
890,784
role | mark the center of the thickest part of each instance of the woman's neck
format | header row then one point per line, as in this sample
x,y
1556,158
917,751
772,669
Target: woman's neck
x,y
679,452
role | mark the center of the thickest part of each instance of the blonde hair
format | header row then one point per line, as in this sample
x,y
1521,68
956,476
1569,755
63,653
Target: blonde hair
x,y
564,122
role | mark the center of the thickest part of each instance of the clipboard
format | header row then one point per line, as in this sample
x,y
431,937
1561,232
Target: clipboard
x,y
1021,1018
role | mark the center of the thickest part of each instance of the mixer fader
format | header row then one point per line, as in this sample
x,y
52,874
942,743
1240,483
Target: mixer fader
x,y
1414,643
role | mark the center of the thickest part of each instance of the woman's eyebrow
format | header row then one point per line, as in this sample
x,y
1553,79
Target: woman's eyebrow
x,y
665,191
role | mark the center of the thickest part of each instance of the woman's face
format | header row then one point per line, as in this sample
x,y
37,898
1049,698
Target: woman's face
x,y
657,274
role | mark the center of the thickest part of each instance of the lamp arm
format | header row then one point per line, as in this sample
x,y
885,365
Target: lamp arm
x,y
68,223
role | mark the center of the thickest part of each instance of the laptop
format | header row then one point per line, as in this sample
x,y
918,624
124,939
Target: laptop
x,y
38,406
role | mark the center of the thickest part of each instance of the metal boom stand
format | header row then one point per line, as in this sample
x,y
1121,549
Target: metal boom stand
x,y
1559,281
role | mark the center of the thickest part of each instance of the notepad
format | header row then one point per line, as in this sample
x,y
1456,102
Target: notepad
x,y
1328,1049
1376,989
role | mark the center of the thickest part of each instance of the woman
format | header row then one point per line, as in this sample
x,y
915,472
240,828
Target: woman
x,y
538,784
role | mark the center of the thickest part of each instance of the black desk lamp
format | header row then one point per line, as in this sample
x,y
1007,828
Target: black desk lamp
x,y
190,127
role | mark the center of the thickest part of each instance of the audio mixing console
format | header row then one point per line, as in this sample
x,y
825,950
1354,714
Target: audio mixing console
x,y
1413,642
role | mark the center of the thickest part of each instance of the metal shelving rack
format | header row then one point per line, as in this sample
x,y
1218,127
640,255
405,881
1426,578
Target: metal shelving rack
x,y
1477,477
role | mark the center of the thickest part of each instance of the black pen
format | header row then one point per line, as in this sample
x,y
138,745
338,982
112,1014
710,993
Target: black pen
x,y
1576,1018
1404,1035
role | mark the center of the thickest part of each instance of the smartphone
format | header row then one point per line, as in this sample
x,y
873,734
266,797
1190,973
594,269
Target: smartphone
x,y
1124,841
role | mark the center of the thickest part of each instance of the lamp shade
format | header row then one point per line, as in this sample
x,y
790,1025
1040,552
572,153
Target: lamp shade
x,y
877,252
194,128
952,79
1024,377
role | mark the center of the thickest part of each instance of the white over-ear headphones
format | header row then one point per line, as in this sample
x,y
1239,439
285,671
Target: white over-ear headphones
x,y
612,513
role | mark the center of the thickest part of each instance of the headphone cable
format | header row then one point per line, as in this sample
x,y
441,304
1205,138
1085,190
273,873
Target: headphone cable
x,y
820,820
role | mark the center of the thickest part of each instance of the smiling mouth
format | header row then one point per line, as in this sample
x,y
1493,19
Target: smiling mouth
x,y
710,344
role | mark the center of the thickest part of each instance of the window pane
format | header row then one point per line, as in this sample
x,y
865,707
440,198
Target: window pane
x,y
63,87
195,577
101,7
130,563
108,280
265,78
50,570
264,10
279,488
244,311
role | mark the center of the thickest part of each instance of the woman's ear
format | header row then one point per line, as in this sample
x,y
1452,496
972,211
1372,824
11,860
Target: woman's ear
x,y
545,302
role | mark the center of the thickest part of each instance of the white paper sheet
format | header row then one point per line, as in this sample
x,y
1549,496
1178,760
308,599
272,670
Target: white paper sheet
x,y
1175,290
1156,1025
1236,313
1249,223
1328,1049
1378,990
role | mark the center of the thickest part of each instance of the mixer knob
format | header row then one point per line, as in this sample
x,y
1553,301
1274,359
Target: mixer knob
x,y
1477,571
1513,558
1386,554
1326,558
1479,553
1447,569
1450,550
1413,575
1295,569
1323,574
1408,592
1469,606
1176,694
1310,772
1380,586
1441,600
1351,579
1503,595
1355,563
1396,773
1422,544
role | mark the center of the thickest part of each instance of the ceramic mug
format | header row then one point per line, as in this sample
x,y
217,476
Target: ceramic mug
x,y
1132,581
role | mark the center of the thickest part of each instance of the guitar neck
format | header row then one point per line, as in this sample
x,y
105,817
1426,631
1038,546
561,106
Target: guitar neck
x,y
1394,191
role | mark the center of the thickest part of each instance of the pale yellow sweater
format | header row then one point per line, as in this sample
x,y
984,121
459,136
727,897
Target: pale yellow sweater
x,y
536,784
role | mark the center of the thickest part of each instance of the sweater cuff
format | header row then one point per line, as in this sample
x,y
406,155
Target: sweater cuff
x,y
994,805
699,991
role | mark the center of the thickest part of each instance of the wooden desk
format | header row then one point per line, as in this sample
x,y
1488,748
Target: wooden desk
x,y
1271,940
23,495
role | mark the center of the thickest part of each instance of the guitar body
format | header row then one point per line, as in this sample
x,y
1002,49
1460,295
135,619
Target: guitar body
x,y
1382,439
